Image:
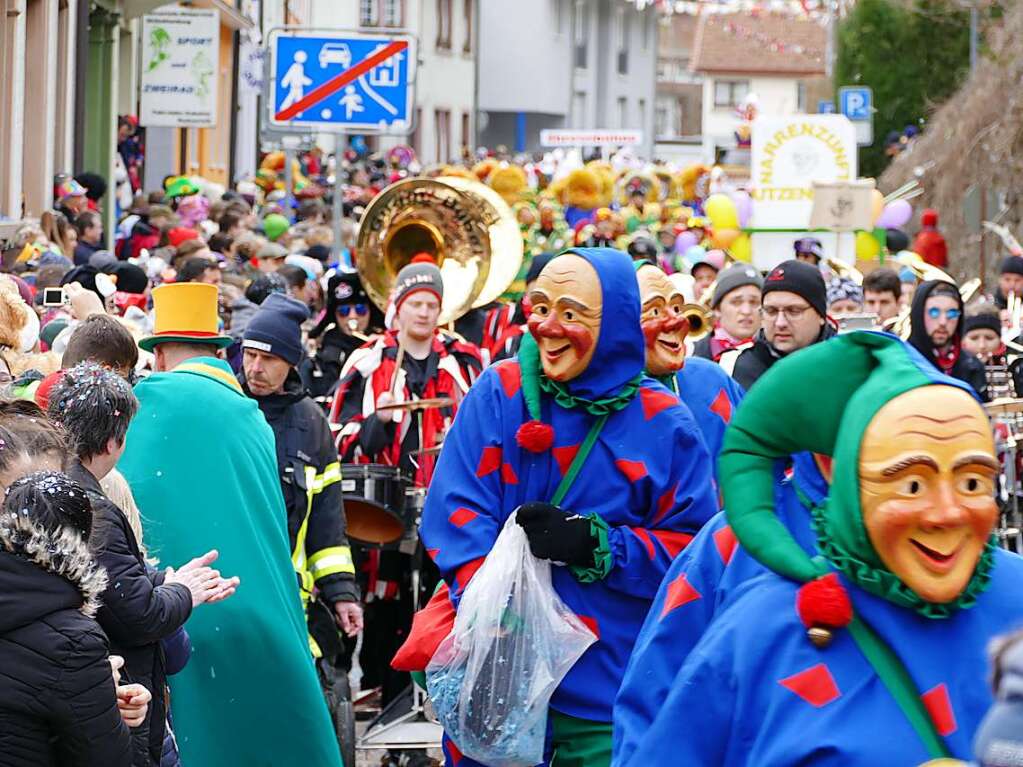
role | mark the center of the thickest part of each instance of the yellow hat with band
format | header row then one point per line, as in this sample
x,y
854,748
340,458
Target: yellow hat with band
x,y
185,313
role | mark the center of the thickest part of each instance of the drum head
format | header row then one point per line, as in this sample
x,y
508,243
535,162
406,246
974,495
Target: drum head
x,y
370,523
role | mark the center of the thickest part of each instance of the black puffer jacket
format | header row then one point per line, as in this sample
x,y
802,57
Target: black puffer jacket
x,y
138,611
57,702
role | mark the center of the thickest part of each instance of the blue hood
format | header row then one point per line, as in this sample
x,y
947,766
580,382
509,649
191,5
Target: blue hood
x,y
620,352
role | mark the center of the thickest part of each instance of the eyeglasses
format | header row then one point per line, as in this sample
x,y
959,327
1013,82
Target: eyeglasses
x,y
360,309
792,313
950,314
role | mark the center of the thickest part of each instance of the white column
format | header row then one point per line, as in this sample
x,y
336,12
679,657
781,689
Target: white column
x,y
40,105
12,105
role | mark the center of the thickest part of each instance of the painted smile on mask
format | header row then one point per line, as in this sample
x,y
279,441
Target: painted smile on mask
x,y
565,314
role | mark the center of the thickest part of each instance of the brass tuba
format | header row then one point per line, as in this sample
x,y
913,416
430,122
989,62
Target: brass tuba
x,y
700,322
467,228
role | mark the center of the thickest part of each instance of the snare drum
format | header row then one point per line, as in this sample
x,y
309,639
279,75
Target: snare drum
x,y
374,502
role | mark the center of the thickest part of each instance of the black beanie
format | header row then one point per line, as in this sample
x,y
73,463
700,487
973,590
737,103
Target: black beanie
x,y
130,278
277,328
984,320
418,276
802,279
1012,265
265,285
320,252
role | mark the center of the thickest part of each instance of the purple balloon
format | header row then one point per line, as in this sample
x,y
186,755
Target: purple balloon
x,y
743,206
684,241
895,215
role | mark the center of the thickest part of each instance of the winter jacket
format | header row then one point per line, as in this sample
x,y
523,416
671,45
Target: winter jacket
x,y
138,611
967,367
58,707
757,359
311,481
322,372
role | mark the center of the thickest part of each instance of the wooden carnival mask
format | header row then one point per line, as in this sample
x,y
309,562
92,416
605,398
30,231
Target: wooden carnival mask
x,y
566,308
927,472
664,327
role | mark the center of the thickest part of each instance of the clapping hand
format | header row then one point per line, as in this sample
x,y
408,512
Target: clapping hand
x,y
207,585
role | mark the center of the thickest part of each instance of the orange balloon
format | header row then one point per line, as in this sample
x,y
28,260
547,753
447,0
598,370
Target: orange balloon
x,y
877,205
723,238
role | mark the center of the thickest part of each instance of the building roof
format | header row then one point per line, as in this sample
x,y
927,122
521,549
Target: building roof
x,y
675,36
759,44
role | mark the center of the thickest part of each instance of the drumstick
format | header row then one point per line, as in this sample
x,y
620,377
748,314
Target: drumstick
x,y
397,366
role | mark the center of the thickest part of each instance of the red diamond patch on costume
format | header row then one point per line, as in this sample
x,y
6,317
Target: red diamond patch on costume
x,y
680,592
673,542
464,573
452,750
939,706
432,553
725,541
490,461
655,401
633,470
648,542
564,456
591,624
462,516
508,475
722,406
664,504
511,377
815,685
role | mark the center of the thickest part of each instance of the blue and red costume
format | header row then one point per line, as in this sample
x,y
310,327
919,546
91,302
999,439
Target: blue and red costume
x,y
712,395
648,477
702,581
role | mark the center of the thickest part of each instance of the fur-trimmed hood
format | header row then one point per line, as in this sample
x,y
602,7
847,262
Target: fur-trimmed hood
x,y
43,572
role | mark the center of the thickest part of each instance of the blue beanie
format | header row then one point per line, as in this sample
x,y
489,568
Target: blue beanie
x,y
277,328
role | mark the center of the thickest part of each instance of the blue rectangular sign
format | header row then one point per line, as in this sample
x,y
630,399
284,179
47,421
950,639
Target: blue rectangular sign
x,y
350,82
825,107
857,103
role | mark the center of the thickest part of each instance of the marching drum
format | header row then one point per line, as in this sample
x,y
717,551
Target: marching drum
x,y
374,502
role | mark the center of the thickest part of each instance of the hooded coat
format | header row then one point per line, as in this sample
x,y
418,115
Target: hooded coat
x,y
789,701
648,477
58,707
967,367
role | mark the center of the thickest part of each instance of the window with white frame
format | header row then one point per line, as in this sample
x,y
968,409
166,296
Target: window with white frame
x,y
730,93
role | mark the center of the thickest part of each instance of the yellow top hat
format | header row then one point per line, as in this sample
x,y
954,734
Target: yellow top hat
x,y
186,313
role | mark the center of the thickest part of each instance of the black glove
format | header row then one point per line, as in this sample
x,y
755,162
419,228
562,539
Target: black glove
x,y
557,536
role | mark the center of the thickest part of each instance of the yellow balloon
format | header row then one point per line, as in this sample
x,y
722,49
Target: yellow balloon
x,y
877,204
742,249
721,211
867,248
723,238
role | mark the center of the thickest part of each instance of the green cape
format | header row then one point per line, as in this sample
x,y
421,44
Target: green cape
x,y
201,462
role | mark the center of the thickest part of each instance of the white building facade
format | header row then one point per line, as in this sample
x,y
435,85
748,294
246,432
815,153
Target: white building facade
x,y
566,64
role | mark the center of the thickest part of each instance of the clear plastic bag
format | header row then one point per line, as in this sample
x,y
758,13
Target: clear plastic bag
x,y
514,640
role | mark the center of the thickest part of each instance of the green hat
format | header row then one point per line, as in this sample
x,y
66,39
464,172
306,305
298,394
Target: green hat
x,y
777,419
179,186
274,225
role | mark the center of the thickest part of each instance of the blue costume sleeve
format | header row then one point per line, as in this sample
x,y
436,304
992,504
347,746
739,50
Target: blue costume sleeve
x,y
463,513
680,507
684,606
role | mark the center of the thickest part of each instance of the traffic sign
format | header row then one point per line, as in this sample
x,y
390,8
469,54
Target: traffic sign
x,y
825,107
348,81
857,103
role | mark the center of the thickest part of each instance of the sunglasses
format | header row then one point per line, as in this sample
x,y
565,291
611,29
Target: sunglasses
x,y
360,309
950,314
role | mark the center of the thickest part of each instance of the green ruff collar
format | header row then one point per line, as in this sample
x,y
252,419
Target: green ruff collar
x,y
534,381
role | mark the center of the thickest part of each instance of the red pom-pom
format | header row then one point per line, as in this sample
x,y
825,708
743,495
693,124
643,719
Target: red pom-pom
x,y
824,602
535,436
423,258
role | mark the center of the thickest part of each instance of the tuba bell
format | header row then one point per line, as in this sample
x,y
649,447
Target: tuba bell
x,y
700,322
465,226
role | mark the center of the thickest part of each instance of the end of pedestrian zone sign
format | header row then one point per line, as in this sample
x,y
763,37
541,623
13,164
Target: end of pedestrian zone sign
x,y
341,82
